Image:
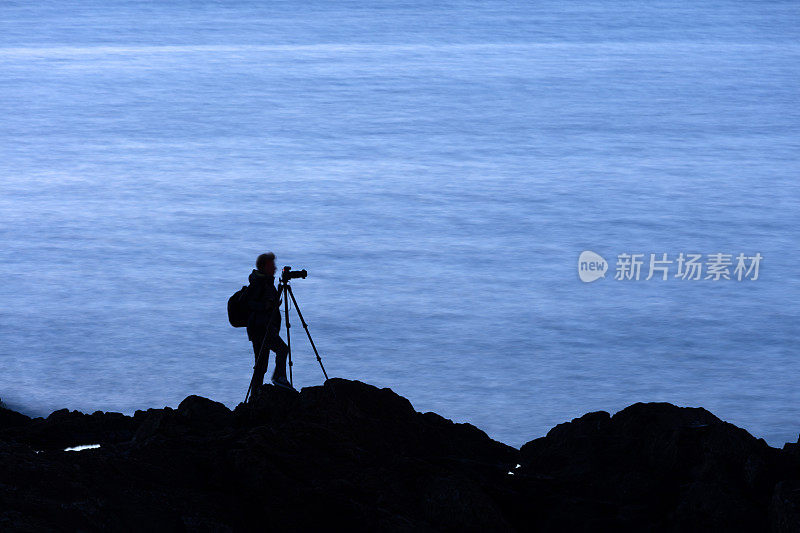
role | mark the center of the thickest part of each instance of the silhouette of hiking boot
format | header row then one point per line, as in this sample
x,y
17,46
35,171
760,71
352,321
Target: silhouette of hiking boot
x,y
281,381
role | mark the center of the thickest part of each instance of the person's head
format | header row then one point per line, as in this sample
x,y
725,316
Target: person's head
x,y
266,264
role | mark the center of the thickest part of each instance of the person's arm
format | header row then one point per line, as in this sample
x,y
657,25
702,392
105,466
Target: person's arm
x,y
260,302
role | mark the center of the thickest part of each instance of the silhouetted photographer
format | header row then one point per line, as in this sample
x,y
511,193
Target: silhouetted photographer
x,y
263,299
257,306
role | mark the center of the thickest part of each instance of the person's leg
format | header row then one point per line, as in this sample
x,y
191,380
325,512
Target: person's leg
x,y
277,345
260,369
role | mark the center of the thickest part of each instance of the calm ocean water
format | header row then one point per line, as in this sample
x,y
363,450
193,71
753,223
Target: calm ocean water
x,y
437,167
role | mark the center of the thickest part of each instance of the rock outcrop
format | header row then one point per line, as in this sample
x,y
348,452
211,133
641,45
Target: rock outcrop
x,y
348,455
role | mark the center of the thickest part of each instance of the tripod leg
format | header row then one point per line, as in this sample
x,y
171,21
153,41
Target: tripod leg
x,y
288,336
305,327
261,360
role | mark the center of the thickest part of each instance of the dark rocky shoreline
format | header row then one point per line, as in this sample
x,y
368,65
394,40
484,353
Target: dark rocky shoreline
x,y
349,456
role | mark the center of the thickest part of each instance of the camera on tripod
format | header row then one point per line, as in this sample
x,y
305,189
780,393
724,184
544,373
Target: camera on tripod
x,y
288,273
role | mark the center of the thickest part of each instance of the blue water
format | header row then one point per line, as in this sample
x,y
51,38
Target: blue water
x,y
437,167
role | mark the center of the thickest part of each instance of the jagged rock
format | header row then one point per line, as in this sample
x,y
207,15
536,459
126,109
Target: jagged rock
x,y
660,467
11,419
347,455
202,411
784,509
195,416
65,428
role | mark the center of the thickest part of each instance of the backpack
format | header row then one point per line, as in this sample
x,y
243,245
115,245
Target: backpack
x,y
239,308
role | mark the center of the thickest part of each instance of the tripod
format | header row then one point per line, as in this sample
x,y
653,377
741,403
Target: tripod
x,y
283,289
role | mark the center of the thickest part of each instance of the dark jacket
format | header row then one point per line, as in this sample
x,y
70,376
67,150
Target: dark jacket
x,y
260,296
